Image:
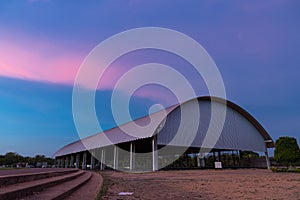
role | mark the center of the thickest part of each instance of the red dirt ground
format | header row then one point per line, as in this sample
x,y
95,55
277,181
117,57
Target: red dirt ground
x,y
203,184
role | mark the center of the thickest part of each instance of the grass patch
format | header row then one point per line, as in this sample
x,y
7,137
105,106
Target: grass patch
x,y
107,182
294,170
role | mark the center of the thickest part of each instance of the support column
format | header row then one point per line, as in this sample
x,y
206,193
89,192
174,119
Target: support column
x,y
132,156
239,158
154,154
84,161
102,159
77,160
62,162
72,161
267,159
66,162
92,160
57,162
116,157
198,161
201,160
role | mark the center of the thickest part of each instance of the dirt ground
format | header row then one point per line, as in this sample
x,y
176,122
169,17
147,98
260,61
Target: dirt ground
x,y
202,184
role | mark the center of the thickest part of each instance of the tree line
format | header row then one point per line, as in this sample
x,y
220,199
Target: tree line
x,y
13,159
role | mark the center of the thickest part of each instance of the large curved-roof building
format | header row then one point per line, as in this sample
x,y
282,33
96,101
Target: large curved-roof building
x,y
165,136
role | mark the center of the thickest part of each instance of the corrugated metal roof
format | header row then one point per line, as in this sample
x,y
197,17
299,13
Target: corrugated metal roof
x,y
146,129
138,129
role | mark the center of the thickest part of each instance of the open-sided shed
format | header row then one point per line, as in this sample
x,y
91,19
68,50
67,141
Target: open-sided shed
x,y
155,141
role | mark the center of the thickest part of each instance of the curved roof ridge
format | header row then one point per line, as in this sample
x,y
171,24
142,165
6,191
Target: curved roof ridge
x,y
116,132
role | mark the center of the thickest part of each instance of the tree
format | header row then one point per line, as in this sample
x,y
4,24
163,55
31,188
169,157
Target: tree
x,y
287,151
11,158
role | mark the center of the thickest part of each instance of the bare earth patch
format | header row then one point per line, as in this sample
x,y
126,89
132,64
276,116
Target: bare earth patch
x,y
202,184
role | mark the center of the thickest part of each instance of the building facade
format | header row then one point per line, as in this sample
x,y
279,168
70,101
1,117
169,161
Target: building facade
x,y
194,129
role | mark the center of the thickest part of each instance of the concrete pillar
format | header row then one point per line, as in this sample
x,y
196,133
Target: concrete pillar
x,y
132,156
92,161
77,160
154,154
198,161
72,161
102,159
57,162
267,159
201,160
67,162
62,162
116,157
84,160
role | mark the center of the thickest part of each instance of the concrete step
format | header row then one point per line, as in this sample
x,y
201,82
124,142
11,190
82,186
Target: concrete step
x,y
88,191
28,188
61,191
31,175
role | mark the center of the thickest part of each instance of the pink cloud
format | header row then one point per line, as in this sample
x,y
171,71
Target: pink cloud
x,y
25,58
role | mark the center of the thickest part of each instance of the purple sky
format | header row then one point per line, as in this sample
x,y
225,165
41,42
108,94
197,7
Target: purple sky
x,y
255,45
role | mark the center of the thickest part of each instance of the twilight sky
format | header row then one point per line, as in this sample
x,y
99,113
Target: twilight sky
x,y
255,45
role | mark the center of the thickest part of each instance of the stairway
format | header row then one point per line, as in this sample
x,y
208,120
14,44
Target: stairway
x,y
49,184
